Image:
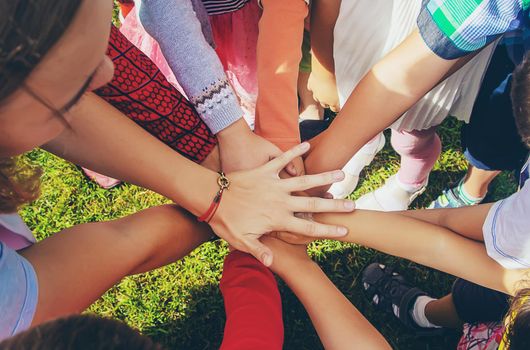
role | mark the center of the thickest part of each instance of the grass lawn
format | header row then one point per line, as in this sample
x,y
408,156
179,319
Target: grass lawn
x,y
180,305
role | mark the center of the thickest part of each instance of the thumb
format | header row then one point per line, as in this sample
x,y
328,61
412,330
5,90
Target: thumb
x,y
260,251
290,168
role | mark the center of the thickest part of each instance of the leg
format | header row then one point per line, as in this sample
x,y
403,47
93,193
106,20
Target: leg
x,y
442,312
491,120
253,305
419,150
477,181
467,303
76,266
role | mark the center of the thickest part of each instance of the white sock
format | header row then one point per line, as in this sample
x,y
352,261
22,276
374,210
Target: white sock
x,y
465,196
418,312
408,187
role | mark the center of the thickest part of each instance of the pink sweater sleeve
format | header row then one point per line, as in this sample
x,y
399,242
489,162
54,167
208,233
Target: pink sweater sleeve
x,y
281,30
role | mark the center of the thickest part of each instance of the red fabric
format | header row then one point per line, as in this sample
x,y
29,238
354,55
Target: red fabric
x,y
140,91
252,303
126,7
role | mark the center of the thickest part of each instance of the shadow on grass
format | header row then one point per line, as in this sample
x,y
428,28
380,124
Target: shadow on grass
x,y
200,329
345,267
203,323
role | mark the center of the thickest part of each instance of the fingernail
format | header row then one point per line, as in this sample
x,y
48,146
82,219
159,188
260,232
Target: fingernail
x,y
343,231
349,205
338,175
304,145
265,258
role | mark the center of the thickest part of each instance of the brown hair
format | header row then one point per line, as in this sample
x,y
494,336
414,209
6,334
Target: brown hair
x,y
521,99
80,332
19,184
517,336
28,30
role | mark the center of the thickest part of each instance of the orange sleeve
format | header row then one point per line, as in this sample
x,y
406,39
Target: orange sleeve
x,y
281,30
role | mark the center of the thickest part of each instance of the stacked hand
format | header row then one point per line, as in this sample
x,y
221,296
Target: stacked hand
x,y
324,88
259,201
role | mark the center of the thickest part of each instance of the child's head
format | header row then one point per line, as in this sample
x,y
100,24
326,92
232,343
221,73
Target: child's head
x,y
79,333
518,322
51,52
521,99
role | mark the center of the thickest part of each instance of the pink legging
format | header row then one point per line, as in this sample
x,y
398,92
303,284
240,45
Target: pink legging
x,y
419,150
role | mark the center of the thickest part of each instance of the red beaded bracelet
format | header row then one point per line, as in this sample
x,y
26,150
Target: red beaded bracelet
x,y
224,184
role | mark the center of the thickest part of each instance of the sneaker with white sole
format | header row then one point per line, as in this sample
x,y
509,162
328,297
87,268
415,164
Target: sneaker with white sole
x,y
389,197
361,159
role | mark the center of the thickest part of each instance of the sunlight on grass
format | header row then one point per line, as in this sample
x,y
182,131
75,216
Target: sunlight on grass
x,y
180,305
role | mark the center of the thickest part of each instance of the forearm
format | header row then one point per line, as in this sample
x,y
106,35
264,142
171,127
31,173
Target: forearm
x,y
381,97
466,221
77,265
104,140
426,244
279,53
338,323
324,14
174,25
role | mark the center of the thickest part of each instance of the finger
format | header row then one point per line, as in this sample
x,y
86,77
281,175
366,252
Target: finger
x,y
305,216
260,251
335,109
324,105
327,195
320,205
291,169
281,162
306,182
314,229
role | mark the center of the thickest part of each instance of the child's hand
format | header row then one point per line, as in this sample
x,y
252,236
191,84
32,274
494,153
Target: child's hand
x,y
258,202
241,149
324,88
286,256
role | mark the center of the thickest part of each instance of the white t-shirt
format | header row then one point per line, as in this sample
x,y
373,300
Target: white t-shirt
x,y
507,228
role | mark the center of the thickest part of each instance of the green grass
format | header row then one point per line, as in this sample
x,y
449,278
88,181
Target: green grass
x,y
180,305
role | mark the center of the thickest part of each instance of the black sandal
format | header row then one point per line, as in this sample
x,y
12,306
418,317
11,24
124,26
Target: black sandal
x,y
388,290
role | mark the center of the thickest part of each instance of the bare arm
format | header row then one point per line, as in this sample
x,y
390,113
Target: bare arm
x,y
103,139
322,81
427,244
390,88
76,266
324,14
338,323
466,221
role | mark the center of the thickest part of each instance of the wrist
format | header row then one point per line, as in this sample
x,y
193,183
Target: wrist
x,y
234,132
287,267
196,192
